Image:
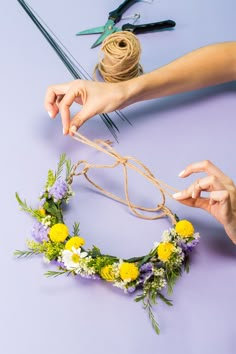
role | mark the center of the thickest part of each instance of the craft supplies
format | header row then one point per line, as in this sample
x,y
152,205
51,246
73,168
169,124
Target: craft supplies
x,y
119,58
76,70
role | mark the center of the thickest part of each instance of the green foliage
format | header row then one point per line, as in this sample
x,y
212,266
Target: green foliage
x,y
99,262
60,166
35,213
28,253
172,274
54,274
50,179
164,299
54,210
69,167
148,306
76,229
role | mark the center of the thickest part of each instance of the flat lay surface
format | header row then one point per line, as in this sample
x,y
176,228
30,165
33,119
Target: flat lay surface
x,y
68,314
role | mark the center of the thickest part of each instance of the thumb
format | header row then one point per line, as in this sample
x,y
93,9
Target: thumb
x,y
79,119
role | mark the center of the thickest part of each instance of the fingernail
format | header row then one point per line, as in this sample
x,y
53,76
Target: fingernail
x,y
177,195
193,195
50,114
73,129
64,131
181,173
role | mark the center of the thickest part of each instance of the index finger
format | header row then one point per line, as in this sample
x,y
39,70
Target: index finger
x,y
50,101
203,166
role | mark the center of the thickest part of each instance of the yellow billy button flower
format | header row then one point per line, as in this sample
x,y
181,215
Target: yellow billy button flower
x,y
75,242
107,273
184,228
128,271
58,232
165,250
42,212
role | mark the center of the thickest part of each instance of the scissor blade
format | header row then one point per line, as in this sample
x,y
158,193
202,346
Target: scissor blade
x,y
94,30
108,29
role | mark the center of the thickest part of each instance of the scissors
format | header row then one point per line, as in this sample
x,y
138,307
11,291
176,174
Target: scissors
x,y
115,16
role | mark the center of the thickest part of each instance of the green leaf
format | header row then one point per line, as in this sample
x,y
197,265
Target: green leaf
x,y
28,253
35,213
95,252
50,179
60,165
69,167
54,210
139,298
155,325
76,229
186,263
55,274
163,298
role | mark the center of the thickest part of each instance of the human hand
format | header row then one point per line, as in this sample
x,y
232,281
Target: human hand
x,y
95,97
221,202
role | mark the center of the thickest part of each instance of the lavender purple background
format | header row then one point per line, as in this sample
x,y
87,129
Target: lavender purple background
x,y
67,315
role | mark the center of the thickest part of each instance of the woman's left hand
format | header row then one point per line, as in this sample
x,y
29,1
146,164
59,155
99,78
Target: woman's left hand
x,y
221,202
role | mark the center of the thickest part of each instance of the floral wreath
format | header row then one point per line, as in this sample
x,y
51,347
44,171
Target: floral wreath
x,y
149,274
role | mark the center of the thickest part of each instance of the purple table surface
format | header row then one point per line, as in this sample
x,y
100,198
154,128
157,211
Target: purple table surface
x,y
68,315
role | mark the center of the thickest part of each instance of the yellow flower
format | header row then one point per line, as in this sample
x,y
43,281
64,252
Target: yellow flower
x,y
58,232
165,250
75,242
128,271
42,212
184,228
107,273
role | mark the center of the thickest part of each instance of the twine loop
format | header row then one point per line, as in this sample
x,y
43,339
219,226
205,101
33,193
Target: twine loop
x,y
126,162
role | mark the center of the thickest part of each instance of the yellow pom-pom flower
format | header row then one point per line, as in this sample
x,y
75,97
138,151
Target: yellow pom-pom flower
x,y
58,232
42,212
165,250
128,271
107,273
75,241
184,228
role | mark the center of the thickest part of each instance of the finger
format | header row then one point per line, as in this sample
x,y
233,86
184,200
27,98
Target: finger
x,y
223,198
202,166
208,184
64,107
80,118
202,203
51,98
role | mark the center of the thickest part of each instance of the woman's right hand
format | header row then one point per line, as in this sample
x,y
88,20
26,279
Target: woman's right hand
x,y
94,97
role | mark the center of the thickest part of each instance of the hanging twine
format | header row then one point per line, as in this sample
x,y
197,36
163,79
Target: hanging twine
x,y
126,162
119,57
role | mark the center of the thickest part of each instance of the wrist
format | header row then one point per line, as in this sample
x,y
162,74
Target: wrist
x,y
230,229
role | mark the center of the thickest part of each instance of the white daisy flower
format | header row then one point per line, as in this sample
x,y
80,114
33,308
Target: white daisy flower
x,y
71,258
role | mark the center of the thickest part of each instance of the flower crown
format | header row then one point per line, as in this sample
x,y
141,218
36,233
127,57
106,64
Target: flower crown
x,y
149,275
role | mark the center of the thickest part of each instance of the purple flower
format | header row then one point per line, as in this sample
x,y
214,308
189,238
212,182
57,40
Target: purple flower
x,y
147,267
131,289
146,271
39,232
189,246
58,190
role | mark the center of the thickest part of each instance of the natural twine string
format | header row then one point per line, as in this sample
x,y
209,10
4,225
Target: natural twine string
x,y
119,57
126,162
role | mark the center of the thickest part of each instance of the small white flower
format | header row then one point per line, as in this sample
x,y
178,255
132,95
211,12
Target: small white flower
x,y
46,260
72,258
166,237
196,235
155,245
